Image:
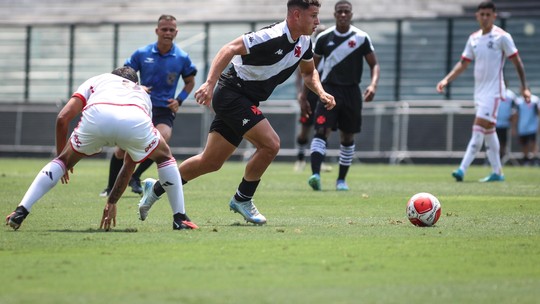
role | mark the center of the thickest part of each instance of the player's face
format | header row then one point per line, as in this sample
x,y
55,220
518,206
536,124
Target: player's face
x,y
486,18
343,15
166,31
309,19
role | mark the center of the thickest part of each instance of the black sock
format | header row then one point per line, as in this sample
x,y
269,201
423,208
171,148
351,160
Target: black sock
x,y
114,168
158,189
343,171
316,162
141,168
246,190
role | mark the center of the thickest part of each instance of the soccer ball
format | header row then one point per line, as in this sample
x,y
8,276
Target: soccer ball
x,y
423,209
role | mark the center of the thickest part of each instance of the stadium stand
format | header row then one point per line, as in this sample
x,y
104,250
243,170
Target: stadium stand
x,y
99,11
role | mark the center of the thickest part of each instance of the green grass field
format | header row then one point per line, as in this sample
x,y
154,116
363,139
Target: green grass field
x,y
318,247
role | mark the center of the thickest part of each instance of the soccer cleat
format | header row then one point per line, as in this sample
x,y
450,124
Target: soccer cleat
x,y
182,221
135,185
493,177
341,185
248,211
148,198
105,192
458,175
315,182
15,219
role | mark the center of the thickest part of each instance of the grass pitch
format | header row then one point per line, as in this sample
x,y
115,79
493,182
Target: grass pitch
x,y
318,247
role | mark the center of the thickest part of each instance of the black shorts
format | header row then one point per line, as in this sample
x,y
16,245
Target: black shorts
x,y
346,115
526,139
312,99
163,116
502,134
235,114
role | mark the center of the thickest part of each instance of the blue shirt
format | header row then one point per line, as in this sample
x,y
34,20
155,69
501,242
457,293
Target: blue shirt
x,y
161,72
527,115
505,110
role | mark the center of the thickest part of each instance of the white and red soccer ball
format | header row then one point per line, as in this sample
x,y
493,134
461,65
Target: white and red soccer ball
x,y
423,209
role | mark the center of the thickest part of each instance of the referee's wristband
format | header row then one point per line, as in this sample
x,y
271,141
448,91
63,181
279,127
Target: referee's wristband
x,y
182,96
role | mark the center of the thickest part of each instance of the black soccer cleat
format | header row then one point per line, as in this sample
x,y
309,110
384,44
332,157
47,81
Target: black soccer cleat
x,y
135,185
182,221
15,219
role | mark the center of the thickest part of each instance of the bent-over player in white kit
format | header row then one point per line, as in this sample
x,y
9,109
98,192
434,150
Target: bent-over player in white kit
x,y
116,111
489,47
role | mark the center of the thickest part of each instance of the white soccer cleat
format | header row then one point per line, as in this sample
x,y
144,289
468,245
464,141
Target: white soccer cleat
x,y
148,199
248,211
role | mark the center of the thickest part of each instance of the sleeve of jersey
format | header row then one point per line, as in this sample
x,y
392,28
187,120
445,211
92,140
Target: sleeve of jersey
x,y
133,61
189,68
509,46
468,54
84,91
308,55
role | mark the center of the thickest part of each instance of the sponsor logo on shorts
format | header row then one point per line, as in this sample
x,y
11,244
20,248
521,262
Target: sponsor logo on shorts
x,y
153,143
77,141
321,120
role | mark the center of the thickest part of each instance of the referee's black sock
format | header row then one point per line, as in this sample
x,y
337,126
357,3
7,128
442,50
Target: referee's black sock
x,y
114,168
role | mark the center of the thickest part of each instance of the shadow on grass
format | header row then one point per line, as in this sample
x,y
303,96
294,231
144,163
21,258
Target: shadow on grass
x,y
92,230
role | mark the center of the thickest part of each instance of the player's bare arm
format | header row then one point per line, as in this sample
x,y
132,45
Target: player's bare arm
x,y
109,212
205,92
520,69
456,71
371,89
73,108
313,82
189,83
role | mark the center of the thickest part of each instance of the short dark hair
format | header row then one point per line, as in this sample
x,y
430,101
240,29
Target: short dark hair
x,y
486,4
127,73
342,2
304,4
166,17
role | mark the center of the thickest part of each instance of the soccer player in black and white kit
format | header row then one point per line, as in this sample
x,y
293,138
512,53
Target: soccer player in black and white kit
x,y
260,60
343,48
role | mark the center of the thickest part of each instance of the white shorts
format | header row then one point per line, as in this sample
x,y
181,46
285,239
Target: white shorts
x,y
487,108
127,127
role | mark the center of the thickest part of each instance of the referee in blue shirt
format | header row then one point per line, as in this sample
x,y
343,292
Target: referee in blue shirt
x,y
160,65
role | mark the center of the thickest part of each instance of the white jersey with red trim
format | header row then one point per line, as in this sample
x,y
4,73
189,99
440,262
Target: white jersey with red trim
x,y
489,52
113,90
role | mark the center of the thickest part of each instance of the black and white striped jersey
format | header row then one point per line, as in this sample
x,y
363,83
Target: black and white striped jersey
x,y
343,55
272,57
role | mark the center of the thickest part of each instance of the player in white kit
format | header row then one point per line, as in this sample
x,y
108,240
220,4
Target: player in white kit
x,y
116,111
489,47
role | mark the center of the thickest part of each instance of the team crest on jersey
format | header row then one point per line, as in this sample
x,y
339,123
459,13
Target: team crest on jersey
x,y
352,43
297,51
321,120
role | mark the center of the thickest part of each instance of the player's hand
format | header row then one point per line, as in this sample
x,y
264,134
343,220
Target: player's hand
x,y
204,94
109,217
173,105
526,93
146,89
65,177
441,85
369,93
327,100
